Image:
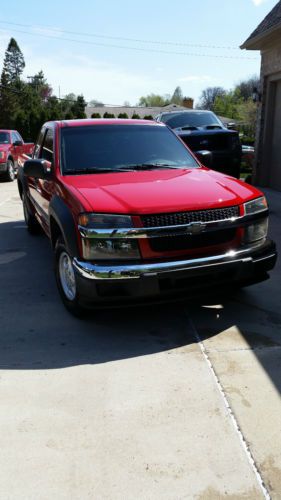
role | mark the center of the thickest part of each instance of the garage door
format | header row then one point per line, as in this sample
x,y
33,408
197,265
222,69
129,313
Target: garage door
x,y
275,162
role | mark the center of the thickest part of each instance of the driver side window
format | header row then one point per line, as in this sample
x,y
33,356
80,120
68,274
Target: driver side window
x,y
47,152
38,144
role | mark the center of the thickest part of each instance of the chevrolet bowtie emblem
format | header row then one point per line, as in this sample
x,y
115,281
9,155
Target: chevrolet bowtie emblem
x,y
196,228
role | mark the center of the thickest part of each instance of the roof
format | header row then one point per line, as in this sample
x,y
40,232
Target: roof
x,y
270,24
80,122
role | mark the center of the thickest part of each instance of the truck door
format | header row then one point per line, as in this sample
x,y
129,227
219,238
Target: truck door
x,y
44,189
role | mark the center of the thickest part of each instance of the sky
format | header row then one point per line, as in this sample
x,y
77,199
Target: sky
x,y
119,50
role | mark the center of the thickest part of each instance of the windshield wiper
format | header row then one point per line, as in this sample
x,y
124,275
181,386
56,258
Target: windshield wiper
x,y
95,170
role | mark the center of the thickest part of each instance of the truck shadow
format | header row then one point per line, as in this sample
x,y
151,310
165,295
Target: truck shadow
x,y
38,333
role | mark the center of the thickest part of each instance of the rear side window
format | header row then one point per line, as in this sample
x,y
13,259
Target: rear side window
x,y
39,143
48,146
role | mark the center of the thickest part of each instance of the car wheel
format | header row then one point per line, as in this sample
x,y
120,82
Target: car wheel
x,y
32,223
66,279
10,174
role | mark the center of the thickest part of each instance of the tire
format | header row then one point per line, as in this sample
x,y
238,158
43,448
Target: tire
x,y
66,279
32,223
10,175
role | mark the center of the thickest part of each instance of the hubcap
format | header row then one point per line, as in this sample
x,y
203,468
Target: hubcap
x,y
67,276
11,171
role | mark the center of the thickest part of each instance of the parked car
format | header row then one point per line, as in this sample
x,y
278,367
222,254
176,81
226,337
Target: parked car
x,y
132,214
203,130
13,151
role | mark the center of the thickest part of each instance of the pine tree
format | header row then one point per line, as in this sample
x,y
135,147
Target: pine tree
x,y
13,62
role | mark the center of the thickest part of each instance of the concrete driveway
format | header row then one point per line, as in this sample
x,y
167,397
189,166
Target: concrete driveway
x,y
174,401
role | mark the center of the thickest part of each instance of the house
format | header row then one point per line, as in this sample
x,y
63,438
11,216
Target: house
x,y
139,110
267,39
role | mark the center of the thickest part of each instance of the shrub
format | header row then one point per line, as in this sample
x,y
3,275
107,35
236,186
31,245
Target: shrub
x,y
123,115
135,116
148,117
108,115
95,115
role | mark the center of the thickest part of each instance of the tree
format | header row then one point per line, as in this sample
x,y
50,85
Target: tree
x,y
228,105
246,87
154,100
209,96
177,96
13,62
95,102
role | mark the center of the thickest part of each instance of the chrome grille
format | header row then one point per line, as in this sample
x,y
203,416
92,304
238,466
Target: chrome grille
x,y
179,218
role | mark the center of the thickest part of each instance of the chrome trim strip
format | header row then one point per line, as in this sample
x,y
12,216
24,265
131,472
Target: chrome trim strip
x,y
135,271
161,231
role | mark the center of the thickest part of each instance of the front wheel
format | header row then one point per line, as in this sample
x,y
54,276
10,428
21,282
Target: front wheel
x,y
10,173
66,279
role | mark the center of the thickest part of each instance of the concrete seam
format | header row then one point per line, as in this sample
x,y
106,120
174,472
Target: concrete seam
x,y
230,412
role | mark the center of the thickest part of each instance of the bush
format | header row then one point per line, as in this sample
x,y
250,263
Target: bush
x,y
136,116
95,115
108,115
148,117
123,115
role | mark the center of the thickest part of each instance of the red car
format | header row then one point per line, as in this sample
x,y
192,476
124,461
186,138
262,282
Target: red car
x,y
131,213
13,151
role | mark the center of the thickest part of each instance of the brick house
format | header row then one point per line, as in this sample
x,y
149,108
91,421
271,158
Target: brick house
x,y
267,39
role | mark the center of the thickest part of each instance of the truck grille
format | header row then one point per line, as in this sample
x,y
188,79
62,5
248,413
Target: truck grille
x,y
190,242
179,218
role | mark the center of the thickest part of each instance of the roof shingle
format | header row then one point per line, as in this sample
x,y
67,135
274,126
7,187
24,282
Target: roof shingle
x,y
272,20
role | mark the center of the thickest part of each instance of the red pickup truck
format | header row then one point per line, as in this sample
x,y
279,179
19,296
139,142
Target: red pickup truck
x,y
131,213
13,152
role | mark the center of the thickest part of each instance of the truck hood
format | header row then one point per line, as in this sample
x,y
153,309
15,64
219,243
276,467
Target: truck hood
x,y
159,191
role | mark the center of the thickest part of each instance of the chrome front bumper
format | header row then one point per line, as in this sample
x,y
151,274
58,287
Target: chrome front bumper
x,y
105,272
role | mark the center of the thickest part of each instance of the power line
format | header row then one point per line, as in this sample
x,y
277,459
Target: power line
x,y
139,49
139,40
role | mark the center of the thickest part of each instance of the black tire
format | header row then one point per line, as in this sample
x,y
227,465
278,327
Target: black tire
x,y
32,223
72,304
10,174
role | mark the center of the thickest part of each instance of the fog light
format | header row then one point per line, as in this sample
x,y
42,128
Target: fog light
x,y
95,249
256,232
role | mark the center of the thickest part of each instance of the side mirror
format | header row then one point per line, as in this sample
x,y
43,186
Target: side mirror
x,y
17,143
205,157
39,169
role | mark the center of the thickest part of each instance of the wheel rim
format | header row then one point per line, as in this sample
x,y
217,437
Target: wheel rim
x,y
67,276
11,171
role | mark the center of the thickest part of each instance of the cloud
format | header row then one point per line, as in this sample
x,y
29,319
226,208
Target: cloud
x,y
258,2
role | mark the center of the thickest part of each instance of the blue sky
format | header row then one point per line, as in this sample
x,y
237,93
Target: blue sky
x,y
114,74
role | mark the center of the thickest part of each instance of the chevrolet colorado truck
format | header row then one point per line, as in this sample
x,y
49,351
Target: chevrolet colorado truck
x,y
203,132
132,214
13,151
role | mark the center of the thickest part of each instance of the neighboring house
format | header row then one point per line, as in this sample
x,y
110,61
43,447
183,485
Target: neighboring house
x,y
139,110
267,39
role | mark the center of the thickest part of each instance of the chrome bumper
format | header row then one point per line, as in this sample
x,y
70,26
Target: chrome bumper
x,y
103,272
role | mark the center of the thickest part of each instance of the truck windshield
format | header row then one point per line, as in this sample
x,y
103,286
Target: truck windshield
x,y
191,119
4,138
121,147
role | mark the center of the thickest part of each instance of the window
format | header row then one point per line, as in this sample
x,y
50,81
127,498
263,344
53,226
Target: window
x,y
4,138
38,144
48,149
19,137
117,146
14,137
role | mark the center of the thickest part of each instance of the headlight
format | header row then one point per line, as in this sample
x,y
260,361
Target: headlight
x,y
256,232
104,221
255,206
112,248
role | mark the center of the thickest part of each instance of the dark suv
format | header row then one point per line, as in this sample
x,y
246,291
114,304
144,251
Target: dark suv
x,y
202,131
